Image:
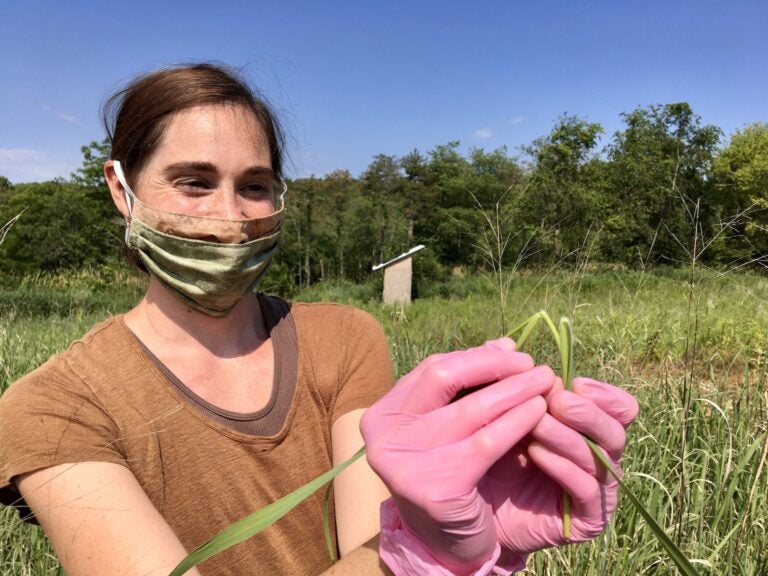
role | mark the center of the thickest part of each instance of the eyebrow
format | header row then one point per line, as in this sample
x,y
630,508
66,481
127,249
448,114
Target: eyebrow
x,y
210,167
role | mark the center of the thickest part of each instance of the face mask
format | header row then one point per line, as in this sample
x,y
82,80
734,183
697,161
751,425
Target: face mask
x,y
209,276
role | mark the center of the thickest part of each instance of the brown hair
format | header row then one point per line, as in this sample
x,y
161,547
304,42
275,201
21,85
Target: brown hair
x,y
135,117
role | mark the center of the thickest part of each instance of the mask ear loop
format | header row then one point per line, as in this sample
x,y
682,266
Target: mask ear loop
x,y
130,197
282,195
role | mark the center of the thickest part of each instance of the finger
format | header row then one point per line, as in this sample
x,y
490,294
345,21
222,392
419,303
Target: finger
x,y
557,387
394,398
476,454
503,343
583,489
481,407
585,416
440,381
566,442
614,401
417,370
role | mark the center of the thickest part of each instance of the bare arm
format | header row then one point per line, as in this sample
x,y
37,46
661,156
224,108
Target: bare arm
x,y
358,491
363,561
100,521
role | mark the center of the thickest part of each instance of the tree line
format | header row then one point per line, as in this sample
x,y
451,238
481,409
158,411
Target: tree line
x,y
666,188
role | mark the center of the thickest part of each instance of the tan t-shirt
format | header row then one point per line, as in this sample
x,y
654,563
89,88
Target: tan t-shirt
x,y
104,399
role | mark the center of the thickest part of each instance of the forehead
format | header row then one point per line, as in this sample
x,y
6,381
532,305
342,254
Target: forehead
x,y
217,129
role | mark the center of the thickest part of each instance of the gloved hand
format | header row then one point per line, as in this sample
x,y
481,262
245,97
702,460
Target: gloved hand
x,y
432,452
525,486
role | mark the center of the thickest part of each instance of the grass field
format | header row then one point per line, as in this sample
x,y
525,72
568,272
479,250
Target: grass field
x,y
691,345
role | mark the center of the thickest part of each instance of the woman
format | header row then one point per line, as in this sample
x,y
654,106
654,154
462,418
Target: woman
x,y
207,400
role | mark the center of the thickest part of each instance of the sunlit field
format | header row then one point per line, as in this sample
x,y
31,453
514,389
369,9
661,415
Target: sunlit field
x,y
690,344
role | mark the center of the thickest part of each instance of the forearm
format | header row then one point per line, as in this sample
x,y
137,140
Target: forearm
x,y
100,521
362,561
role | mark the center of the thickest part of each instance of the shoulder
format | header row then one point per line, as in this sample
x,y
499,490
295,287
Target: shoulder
x,y
64,366
97,337
55,414
314,318
330,334
343,354
106,333
326,320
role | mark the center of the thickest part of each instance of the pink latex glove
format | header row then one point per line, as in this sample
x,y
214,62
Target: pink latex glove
x,y
432,452
526,485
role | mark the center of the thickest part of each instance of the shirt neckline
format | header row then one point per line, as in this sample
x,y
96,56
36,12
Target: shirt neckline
x,y
269,420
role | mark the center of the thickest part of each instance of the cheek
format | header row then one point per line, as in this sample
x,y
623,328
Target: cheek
x,y
257,208
181,204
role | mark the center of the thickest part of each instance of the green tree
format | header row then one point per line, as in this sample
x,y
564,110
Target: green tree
x,y
91,173
445,194
741,181
563,198
660,185
419,197
447,182
298,235
6,189
339,188
493,174
60,227
361,244
382,184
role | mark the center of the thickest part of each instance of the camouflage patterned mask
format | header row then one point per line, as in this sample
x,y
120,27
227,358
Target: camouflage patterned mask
x,y
209,276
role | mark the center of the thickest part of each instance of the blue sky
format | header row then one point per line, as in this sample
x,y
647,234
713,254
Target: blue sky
x,y
352,79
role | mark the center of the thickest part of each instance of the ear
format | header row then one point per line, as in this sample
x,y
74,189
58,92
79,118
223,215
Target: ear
x,y
115,189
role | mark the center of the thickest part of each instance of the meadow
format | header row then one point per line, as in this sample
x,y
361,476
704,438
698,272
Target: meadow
x,y
690,344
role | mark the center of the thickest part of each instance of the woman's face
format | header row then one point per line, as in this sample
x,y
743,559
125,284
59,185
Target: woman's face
x,y
213,161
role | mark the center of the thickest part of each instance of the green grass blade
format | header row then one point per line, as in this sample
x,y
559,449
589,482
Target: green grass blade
x,y
256,522
525,330
565,330
565,345
528,326
682,563
551,325
327,523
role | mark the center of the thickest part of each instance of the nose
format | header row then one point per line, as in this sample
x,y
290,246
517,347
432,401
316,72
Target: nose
x,y
228,205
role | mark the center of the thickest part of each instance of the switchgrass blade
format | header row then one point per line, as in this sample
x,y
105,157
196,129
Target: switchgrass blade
x,y
525,330
565,344
563,335
680,560
256,522
327,523
551,325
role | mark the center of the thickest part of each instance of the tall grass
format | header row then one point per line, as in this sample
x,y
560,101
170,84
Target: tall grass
x,y
632,329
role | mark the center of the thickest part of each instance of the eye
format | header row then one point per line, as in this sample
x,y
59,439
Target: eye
x,y
194,185
258,189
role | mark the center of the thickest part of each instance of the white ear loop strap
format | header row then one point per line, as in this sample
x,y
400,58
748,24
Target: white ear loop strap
x,y
282,195
129,195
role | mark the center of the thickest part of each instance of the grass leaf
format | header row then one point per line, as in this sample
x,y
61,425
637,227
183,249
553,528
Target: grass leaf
x,y
256,522
683,564
525,330
327,523
565,343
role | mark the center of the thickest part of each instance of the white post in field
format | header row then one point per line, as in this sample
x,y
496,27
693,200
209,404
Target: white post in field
x,y
398,277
